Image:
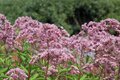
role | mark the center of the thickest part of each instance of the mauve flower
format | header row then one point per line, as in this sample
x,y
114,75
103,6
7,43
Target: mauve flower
x,y
100,40
16,74
21,21
41,35
105,38
55,56
6,31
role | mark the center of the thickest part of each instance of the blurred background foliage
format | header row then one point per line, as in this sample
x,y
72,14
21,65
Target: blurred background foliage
x,y
70,14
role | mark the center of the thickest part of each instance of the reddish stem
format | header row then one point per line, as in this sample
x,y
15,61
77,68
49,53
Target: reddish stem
x,y
29,72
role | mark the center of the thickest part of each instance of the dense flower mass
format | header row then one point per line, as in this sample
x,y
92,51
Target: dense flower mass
x,y
16,74
105,36
41,35
55,56
49,43
6,31
51,70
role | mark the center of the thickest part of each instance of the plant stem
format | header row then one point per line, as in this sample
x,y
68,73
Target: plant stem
x,y
47,68
29,72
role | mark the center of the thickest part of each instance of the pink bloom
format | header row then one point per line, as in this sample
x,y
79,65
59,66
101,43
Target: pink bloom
x,y
17,73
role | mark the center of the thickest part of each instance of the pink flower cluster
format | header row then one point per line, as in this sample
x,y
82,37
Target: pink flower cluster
x,y
55,56
41,35
6,31
46,39
105,38
16,74
51,70
99,40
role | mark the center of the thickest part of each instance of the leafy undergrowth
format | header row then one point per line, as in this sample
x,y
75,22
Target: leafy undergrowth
x,y
8,62
31,50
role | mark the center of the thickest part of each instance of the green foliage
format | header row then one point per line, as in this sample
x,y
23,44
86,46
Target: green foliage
x,y
67,13
36,72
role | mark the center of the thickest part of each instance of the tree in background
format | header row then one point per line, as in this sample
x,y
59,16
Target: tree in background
x,y
67,13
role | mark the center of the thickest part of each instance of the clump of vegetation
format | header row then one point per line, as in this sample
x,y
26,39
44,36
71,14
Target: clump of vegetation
x,y
31,50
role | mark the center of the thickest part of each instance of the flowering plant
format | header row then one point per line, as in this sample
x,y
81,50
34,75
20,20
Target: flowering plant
x,y
38,51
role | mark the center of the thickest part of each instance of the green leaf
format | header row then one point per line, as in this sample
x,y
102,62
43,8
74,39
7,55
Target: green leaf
x,y
1,60
3,76
34,77
3,70
70,77
23,58
64,70
24,68
83,77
